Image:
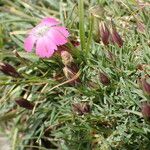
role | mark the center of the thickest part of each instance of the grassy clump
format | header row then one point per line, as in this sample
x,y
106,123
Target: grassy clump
x,y
87,114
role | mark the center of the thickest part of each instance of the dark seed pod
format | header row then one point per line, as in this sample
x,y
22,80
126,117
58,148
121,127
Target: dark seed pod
x,y
9,70
104,79
81,108
145,109
145,85
104,33
116,38
25,103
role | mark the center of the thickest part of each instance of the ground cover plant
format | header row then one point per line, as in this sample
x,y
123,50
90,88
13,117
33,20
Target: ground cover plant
x,y
75,75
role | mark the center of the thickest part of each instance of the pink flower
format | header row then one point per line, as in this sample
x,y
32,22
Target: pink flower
x,y
46,37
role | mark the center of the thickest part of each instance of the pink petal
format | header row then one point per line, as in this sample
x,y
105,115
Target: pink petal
x,y
62,30
29,43
40,47
50,47
50,21
57,36
44,48
50,41
35,29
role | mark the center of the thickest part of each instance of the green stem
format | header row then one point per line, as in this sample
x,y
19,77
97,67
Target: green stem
x,y
14,140
90,34
81,23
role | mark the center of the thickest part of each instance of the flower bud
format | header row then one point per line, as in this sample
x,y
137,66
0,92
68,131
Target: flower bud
x,y
66,58
104,33
115,37
145,109
145,84
81,108
68,73
25,103
104,79
9,70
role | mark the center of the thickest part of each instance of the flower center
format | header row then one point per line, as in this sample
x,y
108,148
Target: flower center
x,y
41,31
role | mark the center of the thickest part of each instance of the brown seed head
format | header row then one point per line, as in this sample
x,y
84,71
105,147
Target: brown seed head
x,y
81,108
104,79
9,70
25,103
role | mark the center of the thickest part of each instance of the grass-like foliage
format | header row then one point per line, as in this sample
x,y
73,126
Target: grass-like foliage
x,y
100,101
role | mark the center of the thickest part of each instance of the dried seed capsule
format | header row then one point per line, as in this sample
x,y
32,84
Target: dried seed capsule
x,y
66,58
9,70
68,73
81,108
25,103
104,79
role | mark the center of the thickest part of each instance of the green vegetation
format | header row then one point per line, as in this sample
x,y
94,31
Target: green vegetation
x,y
95,107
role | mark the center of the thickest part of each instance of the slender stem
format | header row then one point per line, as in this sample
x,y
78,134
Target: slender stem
x,y
14,143
81,23
90,34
